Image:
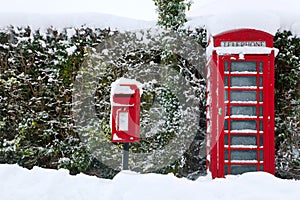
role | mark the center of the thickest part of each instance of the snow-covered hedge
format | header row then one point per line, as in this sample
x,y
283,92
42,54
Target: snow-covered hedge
x,y
287,105
37,75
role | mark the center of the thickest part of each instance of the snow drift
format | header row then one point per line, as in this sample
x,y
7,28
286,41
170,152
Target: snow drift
x,y
17,183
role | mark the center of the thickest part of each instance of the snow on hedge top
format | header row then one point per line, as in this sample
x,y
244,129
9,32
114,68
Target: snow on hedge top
x,y
60,21
267,15
216,15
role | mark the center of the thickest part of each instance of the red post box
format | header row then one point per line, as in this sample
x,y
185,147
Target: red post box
x,y
125,113
240,103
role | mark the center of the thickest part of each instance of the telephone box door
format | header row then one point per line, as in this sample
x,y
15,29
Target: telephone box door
x,y
248,135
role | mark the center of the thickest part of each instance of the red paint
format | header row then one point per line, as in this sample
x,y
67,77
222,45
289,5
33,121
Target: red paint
x,y
226,156
244,35
125,115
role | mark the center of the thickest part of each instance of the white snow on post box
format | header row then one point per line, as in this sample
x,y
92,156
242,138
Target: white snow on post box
x,y
123,89
116,87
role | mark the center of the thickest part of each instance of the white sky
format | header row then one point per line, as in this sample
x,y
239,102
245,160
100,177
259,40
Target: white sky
x,y
138,9
215,15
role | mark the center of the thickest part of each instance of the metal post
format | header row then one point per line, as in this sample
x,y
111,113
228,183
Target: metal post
x,y
125,155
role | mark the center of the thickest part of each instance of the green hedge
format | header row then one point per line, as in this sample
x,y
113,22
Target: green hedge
x,y
37,75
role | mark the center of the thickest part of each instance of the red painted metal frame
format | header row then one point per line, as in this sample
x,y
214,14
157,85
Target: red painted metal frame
x,y
268,135
215,91
212,139
244,35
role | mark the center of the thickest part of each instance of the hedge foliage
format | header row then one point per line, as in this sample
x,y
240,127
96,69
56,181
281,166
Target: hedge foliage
x,y
38,71
37,76
287,105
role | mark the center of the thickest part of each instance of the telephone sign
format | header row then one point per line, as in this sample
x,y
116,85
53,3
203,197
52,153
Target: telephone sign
x,y
243,44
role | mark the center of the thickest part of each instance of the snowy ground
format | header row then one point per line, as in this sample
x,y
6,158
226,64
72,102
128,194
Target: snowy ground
x,y
17,183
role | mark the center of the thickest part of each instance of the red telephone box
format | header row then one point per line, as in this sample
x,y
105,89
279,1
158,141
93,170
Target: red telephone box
x,y
240,103
125,113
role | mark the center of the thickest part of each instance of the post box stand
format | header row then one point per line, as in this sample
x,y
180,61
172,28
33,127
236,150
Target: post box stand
x,y
125,114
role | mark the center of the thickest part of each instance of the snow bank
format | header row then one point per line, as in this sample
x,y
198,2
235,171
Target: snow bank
x,y
144,9
17,183
39,184
268,15
216,15
60,21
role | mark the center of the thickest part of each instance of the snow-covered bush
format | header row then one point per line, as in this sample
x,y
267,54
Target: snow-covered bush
x,y
37,76
171,13
287,105
173,99
38,71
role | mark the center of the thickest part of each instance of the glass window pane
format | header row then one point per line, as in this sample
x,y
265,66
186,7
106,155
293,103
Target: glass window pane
x,y
226,66
243,67
226,139
243,110
242,140
239,169
226,154
226,95
261,96
243,125
226,125
243,81
242,95
226,81
260,111
243,155
260,81
261,127
261,155
260,67
226,169
261,141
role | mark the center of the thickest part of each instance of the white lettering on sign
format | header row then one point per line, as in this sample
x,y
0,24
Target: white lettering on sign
x,y
243,44
123,121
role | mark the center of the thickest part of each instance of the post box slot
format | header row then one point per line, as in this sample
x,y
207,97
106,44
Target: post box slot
x,y
124,95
